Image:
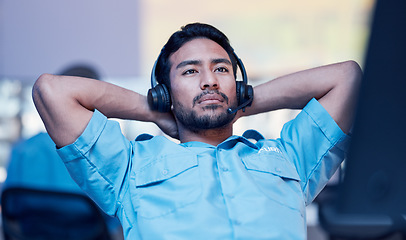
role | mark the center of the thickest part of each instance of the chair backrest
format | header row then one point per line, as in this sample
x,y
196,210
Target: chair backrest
x,y
42,214
371,200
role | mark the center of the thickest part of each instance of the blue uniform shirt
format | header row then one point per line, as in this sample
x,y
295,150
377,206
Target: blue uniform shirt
x,y
34,163
236,190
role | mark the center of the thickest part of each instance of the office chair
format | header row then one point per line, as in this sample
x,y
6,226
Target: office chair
x,y
371,200
42,214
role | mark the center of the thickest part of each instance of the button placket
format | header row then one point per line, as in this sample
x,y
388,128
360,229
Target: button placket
x,y
230,196
221,164
237,222
225,175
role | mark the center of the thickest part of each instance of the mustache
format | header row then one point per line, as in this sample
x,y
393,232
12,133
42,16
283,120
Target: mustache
x,y
195,99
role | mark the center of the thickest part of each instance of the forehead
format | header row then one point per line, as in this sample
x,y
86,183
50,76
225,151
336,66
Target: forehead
x,y
198,49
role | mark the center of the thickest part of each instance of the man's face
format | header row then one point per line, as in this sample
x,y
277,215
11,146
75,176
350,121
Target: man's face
x,y
203,85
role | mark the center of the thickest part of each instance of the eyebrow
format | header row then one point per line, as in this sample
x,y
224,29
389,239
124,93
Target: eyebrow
x,y
221,60
198,62
189,62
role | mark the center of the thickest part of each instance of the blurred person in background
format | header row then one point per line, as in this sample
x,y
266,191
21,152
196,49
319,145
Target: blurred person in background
x,y
34,163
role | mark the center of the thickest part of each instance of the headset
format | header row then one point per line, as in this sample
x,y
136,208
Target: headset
x,y
159,98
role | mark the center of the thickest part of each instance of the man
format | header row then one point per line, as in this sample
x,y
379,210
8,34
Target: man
x,y
212,185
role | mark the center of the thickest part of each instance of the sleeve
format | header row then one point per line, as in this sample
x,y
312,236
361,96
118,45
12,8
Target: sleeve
x,y
316,146
99,161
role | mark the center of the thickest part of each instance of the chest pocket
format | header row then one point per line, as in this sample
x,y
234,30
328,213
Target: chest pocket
x,y
277,179
167,184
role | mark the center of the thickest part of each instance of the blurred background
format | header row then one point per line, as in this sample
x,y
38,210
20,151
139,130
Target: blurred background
x,y
121,40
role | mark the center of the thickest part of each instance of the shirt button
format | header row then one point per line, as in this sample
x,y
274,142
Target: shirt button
x,y
164,172
230,195
278,170
224,169
237,222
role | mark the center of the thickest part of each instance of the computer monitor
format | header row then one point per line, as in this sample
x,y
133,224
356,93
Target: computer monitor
x,y
371,200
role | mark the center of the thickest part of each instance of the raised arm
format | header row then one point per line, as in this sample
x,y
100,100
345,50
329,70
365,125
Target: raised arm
x,y
66,105
335,86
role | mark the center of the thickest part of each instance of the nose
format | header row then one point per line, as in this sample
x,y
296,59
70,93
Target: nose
x,y
209,81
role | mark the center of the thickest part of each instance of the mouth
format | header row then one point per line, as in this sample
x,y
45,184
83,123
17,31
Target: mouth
x,y
210,98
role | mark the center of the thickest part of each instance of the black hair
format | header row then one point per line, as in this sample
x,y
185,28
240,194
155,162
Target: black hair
x,y
81,70
186,34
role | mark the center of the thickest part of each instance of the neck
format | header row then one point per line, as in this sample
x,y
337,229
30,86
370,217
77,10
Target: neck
x,y
210,136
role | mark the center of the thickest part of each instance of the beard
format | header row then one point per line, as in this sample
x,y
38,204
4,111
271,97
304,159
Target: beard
x,y
212,120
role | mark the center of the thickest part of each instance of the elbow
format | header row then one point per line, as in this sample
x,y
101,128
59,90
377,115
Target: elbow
x,y
42,88
354,72
350,78
43,79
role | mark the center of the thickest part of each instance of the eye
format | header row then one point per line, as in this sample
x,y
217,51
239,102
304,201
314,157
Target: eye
x,y
222,69
189,71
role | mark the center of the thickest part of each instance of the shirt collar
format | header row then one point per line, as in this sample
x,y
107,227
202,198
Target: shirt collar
x,y
233,140
228,143
197,144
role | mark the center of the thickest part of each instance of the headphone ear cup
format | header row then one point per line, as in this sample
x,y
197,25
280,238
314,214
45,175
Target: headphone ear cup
x,y
239,86
159,98
244,92
249,93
